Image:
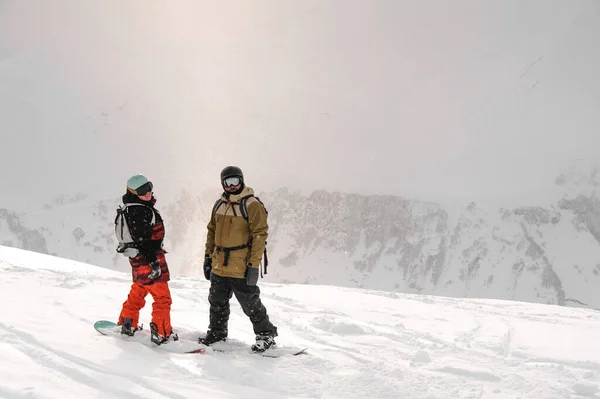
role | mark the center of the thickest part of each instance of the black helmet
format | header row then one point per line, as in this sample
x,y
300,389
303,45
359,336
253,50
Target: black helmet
x,y
232,176
231,171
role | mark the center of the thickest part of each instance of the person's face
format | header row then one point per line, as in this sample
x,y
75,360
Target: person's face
x,y
232,184
232,189
145,192
146,197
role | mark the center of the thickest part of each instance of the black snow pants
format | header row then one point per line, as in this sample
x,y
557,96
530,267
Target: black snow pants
x,y
221,290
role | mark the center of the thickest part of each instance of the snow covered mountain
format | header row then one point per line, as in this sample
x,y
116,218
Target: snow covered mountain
x,y
548,253
365,344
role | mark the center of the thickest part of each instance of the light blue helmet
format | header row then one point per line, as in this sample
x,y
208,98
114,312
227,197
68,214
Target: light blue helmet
x,y
137,181
139,184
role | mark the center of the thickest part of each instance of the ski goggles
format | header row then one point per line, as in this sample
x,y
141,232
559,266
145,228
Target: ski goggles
x,y
231,181
144,189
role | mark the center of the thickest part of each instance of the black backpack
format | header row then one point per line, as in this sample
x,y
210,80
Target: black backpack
x,y
244,210
127,245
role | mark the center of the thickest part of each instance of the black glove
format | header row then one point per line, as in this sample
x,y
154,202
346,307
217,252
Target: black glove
x,y
207,266
251,274
156,272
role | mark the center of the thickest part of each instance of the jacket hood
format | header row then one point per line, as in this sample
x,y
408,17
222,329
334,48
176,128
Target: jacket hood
x,y
130,198
237,197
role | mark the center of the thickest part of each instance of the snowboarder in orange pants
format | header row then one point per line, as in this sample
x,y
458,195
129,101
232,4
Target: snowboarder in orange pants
x,y
149,268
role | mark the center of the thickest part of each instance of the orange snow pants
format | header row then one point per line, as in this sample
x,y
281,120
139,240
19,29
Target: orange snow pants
x,y
161,307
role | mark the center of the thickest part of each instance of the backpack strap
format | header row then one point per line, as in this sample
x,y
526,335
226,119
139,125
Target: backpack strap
x,y
217,205
244,206
244,211
227,250
266,263
120,230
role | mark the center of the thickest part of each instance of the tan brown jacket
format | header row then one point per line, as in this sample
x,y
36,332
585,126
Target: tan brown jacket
x,y
228,229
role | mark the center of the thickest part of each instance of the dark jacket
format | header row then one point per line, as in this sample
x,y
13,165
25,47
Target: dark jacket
x,y
148,237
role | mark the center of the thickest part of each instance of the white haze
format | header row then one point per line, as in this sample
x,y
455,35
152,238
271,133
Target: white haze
x,y
429,99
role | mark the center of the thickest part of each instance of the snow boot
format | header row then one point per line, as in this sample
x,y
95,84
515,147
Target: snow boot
x,y
126,328
211,337
263,342
158,339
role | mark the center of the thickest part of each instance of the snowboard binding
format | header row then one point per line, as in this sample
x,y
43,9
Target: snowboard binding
x,y
126,328
158,339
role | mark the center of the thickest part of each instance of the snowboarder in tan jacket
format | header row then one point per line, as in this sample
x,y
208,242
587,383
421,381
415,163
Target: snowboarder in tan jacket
x,y
233,253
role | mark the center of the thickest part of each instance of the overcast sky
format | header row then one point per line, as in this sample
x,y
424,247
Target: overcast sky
x,y
431,99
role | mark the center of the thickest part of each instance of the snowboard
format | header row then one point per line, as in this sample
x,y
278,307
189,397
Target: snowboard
x,y
188,343
278,352
111,329
235,346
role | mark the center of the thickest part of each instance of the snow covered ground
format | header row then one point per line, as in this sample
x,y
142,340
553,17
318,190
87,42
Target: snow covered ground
x,y
363,344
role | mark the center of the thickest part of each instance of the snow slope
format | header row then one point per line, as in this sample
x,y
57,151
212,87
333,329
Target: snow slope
x,y
363,344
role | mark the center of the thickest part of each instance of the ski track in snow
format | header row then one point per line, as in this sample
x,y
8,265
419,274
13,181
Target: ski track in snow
x,y
362,344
